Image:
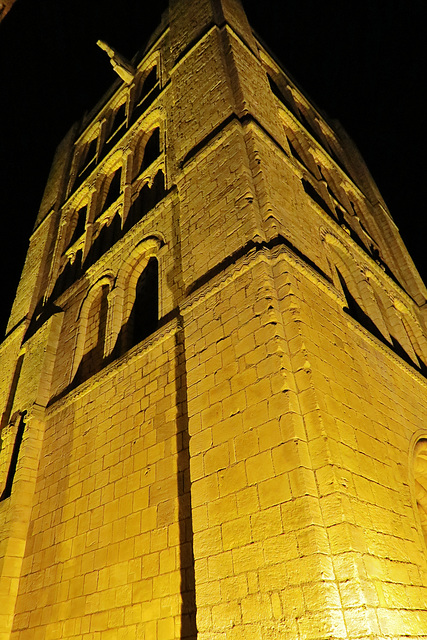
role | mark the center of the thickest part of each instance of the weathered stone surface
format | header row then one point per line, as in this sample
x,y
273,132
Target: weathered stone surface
x,y
212,387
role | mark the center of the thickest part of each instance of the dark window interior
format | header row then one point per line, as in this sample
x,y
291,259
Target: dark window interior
x,y
80,225
152,150
92,360
355,311
87,163
145,201
118,128
281,95
106,238
113,190
144,316
119,118
149,92
14,459
314,195
149,83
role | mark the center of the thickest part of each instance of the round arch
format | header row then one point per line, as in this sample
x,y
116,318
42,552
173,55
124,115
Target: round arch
x,y
107,280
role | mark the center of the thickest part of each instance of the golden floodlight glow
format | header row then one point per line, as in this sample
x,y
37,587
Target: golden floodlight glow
x,y
214,370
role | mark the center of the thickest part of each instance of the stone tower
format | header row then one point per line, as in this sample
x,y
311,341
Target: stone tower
x,y
213,388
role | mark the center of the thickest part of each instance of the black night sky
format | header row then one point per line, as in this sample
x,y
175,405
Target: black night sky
x,y
361,62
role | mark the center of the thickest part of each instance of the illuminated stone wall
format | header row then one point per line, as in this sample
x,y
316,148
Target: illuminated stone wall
x,y
243,468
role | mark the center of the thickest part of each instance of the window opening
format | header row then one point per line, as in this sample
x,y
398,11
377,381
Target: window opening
x,y
93,355
114,190
143,318
308,126
152,150
315,195
355,311
295,153
90,157
70,273
277,91
79,229
149,83
106,238
149,91
118,127
144,315
7,491
87,162
146,200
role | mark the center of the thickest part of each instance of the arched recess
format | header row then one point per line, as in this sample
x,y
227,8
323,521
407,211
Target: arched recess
x,y
298,144
138,287
420,482
86,156
106,236
111,189
414,333
361,303
109,183
93,321
10,443
117,122
75,224
280,89
151,151
397,335
145,199
148,88
70,273
147,145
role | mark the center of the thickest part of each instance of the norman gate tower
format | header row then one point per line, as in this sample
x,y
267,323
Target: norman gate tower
x,y
212,389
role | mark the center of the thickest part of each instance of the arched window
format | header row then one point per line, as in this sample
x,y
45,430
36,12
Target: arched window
x,y
77,226
117,129
114,189
320,196
146,200
360,300
151,150
70,273
283,95
108,235
150,89
146,152
143,309
420,478
353,306
145,312
87,161
414,335
94,328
